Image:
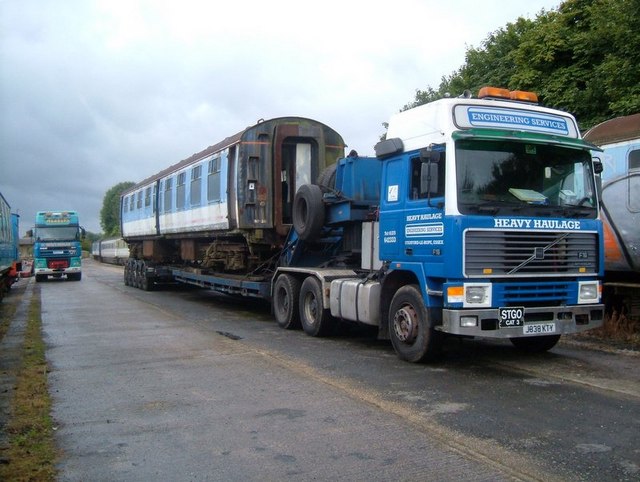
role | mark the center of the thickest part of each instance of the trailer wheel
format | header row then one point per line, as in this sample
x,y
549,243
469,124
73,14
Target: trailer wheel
x,y
137,279
130,273
535,344
145,283
286,292
126,273
315,320
410,330
308,211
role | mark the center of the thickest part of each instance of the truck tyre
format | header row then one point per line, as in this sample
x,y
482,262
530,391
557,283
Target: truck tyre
x,y
41,277
315,320
145,283
286,292
126,273
136,275
327,178
410,329
535,344
74,276
308,211
129,275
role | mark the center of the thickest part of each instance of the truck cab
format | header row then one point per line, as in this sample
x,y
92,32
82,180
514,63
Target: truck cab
x,y
57,250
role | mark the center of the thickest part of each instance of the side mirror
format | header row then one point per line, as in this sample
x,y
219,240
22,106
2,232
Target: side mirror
x,y
389,147
429,178
597,166
429,171
428,155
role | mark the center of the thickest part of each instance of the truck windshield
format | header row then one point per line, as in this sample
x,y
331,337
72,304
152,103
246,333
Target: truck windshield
x,y
58,233
519,178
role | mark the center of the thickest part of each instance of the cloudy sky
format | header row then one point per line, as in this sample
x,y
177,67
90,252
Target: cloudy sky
x,y
96,92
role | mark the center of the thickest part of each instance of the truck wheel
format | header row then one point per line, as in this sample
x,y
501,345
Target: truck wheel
x,y
315,320
286,292
410,330
126,273
74,276
41,277
535,344
308,211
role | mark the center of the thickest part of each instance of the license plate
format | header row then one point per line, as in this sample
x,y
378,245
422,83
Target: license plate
x,y
539,329
510,317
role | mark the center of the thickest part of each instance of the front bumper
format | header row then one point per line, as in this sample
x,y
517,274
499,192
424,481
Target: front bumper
x,y
563,319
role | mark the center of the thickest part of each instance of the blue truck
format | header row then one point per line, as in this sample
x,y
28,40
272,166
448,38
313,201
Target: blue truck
x,y
56,249
478,217
10,264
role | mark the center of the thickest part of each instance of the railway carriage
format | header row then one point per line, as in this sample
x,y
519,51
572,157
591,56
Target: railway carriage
x,y
229,207
620,140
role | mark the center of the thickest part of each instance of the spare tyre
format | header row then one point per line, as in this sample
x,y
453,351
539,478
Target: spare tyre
x,y
327,178
308,211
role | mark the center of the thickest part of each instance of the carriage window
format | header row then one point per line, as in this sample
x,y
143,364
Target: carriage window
x,y
147,197
213,180
634,181
196,185
139,200
155,197
168,198
634,160
181,191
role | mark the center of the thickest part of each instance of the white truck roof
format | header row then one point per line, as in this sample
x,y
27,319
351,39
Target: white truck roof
x,y
434,122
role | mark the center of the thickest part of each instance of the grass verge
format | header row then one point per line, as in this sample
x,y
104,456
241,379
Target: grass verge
x,y
30,452
7,312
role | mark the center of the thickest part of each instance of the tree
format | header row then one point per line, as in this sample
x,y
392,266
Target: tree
x,y
583,57
110,212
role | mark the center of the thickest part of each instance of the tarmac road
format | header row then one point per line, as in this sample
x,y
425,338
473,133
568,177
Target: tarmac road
x,y
187,385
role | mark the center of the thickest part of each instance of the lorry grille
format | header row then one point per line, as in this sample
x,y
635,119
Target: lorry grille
x,y
48,252
534,294
526,253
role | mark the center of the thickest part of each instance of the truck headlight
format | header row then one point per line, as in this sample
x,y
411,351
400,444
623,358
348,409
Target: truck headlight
x,y
588,292
477,295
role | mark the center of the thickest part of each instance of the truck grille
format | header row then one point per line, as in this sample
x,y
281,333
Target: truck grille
x,y
526,253
57,252
534,294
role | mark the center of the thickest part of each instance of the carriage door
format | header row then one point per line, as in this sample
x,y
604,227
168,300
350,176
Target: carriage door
x,y
294,172
294,158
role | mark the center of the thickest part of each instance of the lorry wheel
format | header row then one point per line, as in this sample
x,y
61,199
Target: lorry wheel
x,y
40,278
286,292
126,274
315,320
410,330
74,276
308,211
535,344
